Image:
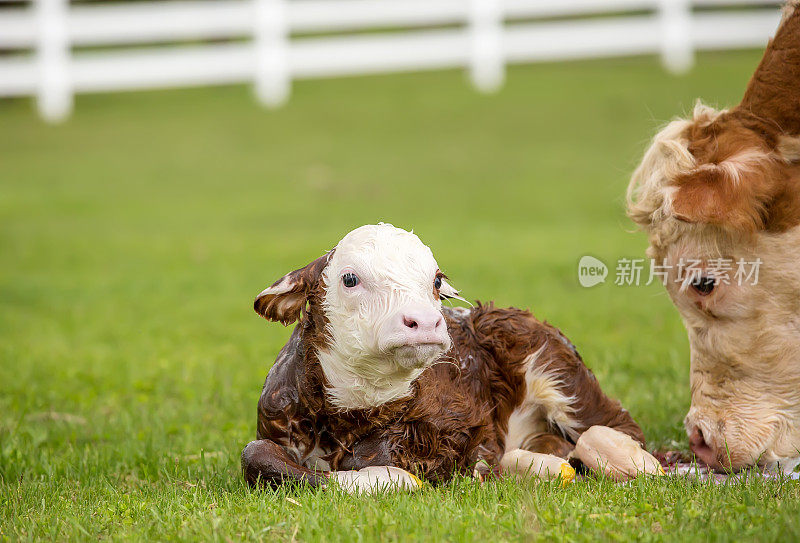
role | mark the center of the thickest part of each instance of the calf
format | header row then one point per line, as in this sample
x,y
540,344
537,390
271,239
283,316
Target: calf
x,y
719,189
378,373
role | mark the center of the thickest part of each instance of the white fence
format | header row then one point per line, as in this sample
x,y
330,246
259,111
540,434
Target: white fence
x,y
57,49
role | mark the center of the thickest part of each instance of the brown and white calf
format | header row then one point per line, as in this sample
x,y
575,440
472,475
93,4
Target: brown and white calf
x,y
724,187
378,373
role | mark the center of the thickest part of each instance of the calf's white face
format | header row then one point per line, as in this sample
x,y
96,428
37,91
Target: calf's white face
x,y
383,304
381,300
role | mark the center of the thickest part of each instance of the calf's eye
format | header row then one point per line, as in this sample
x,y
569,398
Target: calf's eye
x,y
704,285
350,280
437,283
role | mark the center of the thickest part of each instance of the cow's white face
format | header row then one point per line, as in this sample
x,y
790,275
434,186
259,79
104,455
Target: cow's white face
x,y
379,294
382,301
711,191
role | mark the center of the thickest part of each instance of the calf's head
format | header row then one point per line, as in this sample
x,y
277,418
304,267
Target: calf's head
x,y
719,196
375,302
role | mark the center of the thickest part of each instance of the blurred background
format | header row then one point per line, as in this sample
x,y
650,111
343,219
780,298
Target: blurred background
x,y
56,48
147,195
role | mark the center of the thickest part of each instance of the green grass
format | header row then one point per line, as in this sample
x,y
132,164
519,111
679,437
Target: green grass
x,y
134,237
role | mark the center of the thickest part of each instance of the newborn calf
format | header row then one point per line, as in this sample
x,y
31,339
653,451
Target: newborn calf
x,y
378,373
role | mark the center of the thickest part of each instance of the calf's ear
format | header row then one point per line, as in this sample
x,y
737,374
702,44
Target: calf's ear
x,y
448,291
286,299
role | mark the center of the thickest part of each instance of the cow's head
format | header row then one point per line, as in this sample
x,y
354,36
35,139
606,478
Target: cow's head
x,y
719,195
376,302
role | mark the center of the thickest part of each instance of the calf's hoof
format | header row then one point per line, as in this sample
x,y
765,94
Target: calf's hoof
x,y
374,479
615,454
524,464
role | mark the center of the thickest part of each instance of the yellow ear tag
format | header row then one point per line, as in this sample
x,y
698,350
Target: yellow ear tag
x,y
567,474
416,479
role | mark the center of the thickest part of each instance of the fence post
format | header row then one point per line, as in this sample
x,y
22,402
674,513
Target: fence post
x,y
487,63
271,39
54,95
677,49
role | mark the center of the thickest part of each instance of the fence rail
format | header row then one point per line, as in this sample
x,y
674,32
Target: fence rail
x,y
57,49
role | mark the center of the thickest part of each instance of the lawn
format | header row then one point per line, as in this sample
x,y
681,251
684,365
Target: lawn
x,y
134,237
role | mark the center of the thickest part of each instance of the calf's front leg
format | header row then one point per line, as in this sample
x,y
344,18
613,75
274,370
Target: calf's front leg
x,y
372,479
525,464
264,462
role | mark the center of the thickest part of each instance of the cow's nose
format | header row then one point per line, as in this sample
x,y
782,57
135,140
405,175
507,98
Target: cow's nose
x,y
419,322
702,450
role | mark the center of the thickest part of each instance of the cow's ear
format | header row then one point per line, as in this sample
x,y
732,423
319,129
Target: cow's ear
x,y
286,299
751,191
734,200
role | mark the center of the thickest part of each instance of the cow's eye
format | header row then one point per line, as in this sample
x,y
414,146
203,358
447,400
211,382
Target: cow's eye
x,y
437,283
704,285
350,280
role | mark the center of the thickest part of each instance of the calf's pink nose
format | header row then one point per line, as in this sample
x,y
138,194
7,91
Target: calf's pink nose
x,y
421,322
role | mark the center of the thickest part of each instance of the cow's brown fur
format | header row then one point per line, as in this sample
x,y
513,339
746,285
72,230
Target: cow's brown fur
x,y
772,95
760,187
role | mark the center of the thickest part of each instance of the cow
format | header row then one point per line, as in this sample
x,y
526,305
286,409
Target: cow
x,y
720,193
379,378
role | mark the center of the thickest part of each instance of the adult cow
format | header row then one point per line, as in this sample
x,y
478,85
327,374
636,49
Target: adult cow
x,y
714,192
